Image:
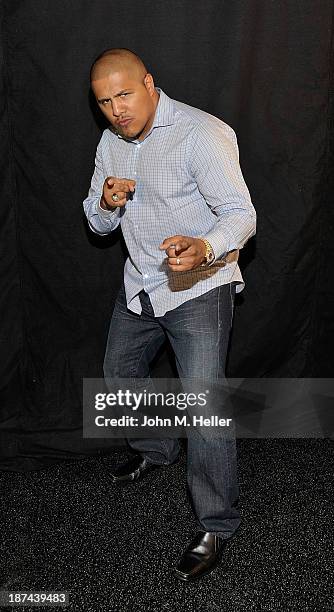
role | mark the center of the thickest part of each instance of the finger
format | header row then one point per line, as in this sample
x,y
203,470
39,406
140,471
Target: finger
x,y
120,194
170,251
119,202
182,263
170,241
122,198
188,251
182,260
179,267
181,246
125,185
122,186
130,183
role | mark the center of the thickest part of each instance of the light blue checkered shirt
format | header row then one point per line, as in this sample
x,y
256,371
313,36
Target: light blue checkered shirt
x,y
188,182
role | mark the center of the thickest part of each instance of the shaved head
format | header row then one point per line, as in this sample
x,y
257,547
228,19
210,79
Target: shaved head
x,y
118,60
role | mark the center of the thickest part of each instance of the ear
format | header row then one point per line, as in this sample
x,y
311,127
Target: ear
x,y
149,83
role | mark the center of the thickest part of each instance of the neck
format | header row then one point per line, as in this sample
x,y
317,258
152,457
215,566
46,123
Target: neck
x,y
155,100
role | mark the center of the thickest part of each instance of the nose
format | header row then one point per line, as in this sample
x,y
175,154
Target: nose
x,y
117,107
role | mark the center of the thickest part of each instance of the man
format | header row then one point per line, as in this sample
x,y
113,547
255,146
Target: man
x,y
185,212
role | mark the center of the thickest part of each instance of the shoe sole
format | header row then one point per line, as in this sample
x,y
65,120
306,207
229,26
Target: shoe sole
x,y
138,476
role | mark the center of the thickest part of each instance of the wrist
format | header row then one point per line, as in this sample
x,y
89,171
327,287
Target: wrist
x,y
105,206
209,255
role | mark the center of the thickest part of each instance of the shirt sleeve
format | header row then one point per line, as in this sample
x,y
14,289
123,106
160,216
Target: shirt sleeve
x,y
215,167
100,221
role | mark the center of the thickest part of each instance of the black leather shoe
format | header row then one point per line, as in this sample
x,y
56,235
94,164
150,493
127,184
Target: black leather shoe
x,y
134,469
200,557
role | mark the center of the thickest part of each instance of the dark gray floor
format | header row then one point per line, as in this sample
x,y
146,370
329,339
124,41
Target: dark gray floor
x,y
67,527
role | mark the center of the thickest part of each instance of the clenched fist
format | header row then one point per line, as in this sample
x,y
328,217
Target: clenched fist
x,y
122,187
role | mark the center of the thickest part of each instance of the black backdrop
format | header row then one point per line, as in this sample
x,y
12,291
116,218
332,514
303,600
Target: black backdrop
x,y
263,67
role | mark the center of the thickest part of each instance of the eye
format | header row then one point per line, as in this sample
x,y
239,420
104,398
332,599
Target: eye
x,y
123,95
105,102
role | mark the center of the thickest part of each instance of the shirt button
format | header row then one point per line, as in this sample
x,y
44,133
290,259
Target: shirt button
x,y
145,275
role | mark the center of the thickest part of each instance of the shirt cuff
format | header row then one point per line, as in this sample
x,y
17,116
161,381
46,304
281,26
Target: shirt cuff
x,y
220,245
106,214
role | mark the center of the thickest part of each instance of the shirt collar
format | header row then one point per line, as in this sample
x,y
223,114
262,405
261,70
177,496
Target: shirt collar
x,y
164,113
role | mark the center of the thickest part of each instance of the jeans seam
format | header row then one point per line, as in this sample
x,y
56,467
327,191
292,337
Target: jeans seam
x,y
163,444
231,306
218,332
142,353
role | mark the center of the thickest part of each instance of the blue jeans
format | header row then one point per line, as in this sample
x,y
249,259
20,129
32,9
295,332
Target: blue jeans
x,y
198,332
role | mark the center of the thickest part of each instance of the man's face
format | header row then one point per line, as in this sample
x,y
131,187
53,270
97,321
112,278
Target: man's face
x,y
127,102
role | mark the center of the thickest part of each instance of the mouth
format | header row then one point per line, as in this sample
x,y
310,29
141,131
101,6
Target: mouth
x,y
124,122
